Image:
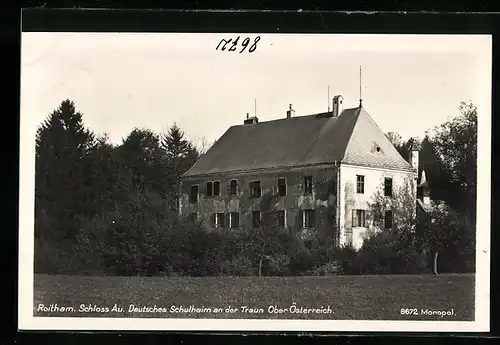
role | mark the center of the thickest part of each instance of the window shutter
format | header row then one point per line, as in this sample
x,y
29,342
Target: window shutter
x,y
301,218
212,220
313,218
363,218
354,218
226,221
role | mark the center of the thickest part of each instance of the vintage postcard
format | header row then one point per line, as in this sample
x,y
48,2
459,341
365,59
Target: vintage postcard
x,y
254,182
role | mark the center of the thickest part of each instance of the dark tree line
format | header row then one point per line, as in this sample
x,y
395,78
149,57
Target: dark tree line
x,y
106,209
448,153
93,196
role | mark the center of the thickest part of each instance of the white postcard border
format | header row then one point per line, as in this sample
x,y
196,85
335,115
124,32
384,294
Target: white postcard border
x,y
26,320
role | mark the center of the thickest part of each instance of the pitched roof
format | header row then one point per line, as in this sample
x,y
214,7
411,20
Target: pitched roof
x,y
352,137
368,146
423,180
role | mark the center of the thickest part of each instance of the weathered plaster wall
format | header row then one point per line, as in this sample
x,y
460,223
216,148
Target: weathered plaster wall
x,y
374,181
323,197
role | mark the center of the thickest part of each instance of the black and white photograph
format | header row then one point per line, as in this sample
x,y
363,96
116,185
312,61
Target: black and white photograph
x,y
259,182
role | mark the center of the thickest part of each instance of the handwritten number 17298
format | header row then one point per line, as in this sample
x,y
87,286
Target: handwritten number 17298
x,y
232,45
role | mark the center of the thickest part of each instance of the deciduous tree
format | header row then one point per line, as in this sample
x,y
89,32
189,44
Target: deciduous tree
x,y
456,145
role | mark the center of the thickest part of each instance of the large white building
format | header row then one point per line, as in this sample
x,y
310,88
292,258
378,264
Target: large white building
x,y
304,173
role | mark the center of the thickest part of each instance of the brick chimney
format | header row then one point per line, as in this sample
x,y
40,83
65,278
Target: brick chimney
x,y
338,105
414,156
290,112
250,120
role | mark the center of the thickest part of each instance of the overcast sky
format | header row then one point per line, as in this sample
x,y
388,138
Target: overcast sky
x,y
122,81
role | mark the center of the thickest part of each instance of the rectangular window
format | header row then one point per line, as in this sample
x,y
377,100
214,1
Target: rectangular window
x,y
360,184
348,237
281,186
256,219
388,186
233,187
234,220
193,217
308,218
216,188
420,193
220,220
280,219
193,194
209,188
213,220
255,189
358,218
308,184
388,220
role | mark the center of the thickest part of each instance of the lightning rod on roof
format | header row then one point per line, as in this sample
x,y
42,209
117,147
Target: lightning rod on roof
x,y
360,98
328,98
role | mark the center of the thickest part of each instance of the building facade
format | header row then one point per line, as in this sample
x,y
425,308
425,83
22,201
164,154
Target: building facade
x,y
304,173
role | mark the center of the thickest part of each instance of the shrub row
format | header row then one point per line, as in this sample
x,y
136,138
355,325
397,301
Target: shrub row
x,y
191,251
110,247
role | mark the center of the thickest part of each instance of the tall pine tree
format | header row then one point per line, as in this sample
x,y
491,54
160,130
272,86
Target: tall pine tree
x,y
141,161
181,154
62,147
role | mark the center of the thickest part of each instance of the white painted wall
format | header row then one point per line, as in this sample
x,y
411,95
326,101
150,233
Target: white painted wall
x,y
374,179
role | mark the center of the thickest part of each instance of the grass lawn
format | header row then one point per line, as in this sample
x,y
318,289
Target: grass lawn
x,y
348,297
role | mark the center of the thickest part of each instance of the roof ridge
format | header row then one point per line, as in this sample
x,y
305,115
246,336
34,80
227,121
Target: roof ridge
x,y
350,132
301,117
299,141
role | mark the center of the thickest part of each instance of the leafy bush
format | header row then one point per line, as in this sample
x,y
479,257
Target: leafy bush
x,y
237,266
348,260
278,265
331,268
389,252
301,263
57,259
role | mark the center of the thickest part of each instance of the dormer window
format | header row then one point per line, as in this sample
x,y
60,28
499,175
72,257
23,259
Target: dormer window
x,y
376,148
